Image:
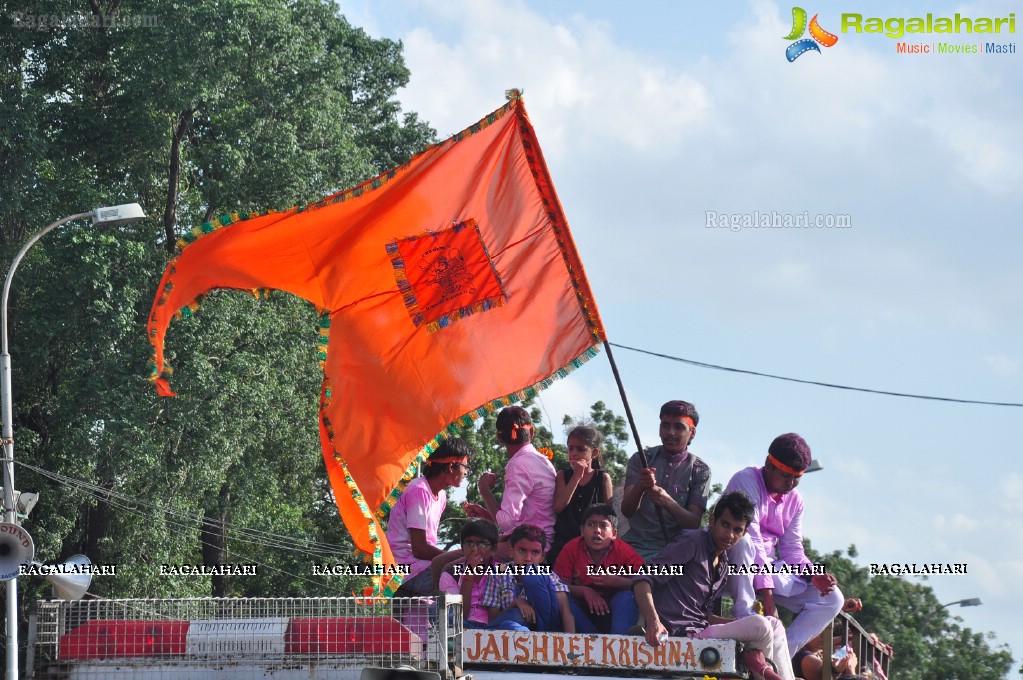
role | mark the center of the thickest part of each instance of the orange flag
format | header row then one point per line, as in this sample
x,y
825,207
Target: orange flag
x,y
447,287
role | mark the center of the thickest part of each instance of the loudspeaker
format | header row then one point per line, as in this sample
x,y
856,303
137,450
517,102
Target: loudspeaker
x,y
16,549
72,586
24,501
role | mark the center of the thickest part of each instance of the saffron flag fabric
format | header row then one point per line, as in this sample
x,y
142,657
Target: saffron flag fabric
x,y
447,287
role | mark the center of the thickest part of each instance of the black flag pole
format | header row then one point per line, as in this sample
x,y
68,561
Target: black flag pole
x,y
635,430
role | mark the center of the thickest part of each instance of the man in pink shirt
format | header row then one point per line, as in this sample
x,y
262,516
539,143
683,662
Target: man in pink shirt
x,y
528,481
769,560
413,522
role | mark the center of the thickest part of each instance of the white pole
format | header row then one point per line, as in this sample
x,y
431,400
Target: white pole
x,y
10,511
115,216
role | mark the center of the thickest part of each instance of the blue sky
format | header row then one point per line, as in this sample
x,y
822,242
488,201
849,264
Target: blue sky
x,y
652,114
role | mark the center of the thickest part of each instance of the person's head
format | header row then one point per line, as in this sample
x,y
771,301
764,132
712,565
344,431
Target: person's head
x,y
514,427
731,516
678,425
451,458
479,538
584,444
788,456
599,527
528,544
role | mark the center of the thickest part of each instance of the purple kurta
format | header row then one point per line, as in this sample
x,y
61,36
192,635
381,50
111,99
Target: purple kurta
x,y
684,602
777,529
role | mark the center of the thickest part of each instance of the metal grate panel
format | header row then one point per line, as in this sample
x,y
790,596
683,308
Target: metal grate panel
x,y
279,638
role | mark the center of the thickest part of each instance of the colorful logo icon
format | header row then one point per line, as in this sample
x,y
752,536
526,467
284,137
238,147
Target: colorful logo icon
x,y
817,35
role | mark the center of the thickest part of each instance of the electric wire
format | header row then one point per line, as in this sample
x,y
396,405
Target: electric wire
x,y
109,500
245,535
702,364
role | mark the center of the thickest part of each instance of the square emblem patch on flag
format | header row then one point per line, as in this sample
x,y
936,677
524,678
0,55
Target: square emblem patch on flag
x,y
446,275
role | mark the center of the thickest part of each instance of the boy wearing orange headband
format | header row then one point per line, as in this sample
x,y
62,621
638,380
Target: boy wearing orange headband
x,y
529,481
414,520
771,560
674,480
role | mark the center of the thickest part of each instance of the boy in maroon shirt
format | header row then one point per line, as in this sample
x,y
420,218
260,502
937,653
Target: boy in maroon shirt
x,y
601,598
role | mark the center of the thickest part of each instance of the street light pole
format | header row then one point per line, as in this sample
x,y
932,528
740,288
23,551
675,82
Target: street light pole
x,y
969,602
117,215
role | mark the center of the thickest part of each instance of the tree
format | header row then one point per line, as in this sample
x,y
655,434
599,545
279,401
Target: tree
x,y
204,110
928,642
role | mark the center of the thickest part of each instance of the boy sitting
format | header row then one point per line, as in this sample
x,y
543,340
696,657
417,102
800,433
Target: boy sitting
x,y
532,599
601,602
479,537
415,518
684,602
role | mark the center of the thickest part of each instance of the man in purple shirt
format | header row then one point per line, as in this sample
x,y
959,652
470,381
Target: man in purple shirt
x,y
685,600
770,559
674,480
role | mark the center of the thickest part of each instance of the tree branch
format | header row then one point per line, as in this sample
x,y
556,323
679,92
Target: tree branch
x,y
173,172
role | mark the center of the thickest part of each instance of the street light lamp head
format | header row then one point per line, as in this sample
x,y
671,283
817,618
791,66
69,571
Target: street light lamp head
x,y
117,215
972,602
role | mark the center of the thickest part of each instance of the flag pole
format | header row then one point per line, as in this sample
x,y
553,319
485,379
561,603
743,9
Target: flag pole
x,y
635,430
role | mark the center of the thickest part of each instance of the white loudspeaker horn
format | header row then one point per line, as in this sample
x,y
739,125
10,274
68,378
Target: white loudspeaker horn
x,y
73,580
16,550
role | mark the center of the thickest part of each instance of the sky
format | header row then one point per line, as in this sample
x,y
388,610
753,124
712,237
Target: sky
x,y
657,119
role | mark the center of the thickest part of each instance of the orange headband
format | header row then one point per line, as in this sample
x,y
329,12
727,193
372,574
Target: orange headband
x,y
445,459
689,421
783,467
516,427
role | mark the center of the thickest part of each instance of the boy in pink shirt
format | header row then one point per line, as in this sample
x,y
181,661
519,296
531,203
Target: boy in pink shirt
x,y
774,543
479,538
529,480
414,519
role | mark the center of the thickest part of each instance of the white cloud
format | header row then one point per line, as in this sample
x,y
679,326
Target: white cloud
x,y
961,523
640,133
577,81
566,397
1010,488
1002,364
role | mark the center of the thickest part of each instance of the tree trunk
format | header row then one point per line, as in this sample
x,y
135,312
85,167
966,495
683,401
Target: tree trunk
x,y
173,172
214,539
95,527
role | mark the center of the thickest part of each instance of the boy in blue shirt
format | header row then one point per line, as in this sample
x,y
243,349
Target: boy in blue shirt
x,y
525,595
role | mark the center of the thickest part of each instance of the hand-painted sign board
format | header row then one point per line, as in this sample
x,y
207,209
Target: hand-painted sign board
x,y
591,651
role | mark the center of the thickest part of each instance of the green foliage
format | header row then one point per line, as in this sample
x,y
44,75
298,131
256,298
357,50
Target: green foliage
x,y
928,641
716,490
216,107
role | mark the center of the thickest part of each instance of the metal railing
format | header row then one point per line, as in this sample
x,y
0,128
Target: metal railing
x,y
243,637
870,656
